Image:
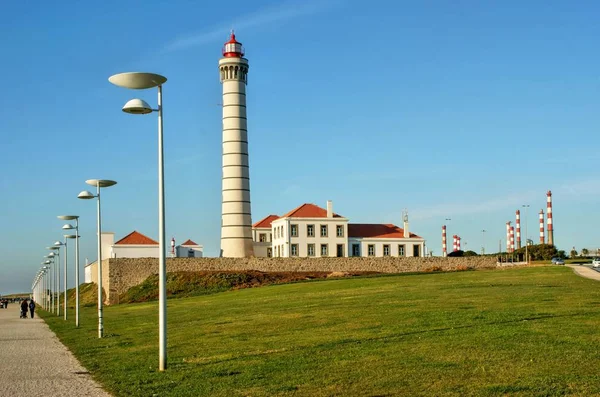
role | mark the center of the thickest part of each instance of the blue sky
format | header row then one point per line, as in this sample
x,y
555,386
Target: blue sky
x,y
451,109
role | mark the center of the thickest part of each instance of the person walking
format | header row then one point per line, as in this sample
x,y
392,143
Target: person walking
x,y
31,307
24,308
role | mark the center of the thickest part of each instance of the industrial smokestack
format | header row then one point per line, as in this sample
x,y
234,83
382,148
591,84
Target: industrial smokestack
x,y
518,229
549,220
458,243
542,239
507,236
329,209
512,239
454,241
444,249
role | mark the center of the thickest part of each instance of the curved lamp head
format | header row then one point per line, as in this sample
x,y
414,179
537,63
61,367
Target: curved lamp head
x,y
100,182
58,243
85,195
68,227
50,255
137,80
137,106
71,236
53,248
67,217
46,262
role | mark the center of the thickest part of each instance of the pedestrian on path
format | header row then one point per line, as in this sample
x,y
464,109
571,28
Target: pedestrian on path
x,y
31,307
24,308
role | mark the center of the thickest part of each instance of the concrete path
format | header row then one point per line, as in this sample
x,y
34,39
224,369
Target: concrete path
x,y
585,271
34,363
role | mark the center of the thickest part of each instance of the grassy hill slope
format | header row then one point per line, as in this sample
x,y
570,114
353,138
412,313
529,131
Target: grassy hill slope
x,y
518,332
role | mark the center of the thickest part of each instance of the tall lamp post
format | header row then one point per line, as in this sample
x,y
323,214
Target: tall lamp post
x,y
483,241
526,206
51,283
85,195
70,227
140,81
59,244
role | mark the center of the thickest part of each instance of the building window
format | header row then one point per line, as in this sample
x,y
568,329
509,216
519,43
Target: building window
x,y
262,237
371,250
270,237
282,231
310,230
339,230
294,249
386,250
311,249
269,252
294,230
323,230
323,249
401,250
355,250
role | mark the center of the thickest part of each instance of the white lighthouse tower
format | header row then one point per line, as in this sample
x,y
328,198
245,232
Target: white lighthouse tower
x,y
236,220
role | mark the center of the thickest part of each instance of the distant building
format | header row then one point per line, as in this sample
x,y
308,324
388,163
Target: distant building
x,y
189,249
136,245
312,231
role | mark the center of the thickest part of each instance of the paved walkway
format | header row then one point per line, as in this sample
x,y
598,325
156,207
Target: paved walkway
x,y
34,363
585,271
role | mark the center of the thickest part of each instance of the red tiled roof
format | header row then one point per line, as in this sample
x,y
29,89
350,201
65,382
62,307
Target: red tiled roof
x,y
375,230
309,211
189,242
266,222
136,238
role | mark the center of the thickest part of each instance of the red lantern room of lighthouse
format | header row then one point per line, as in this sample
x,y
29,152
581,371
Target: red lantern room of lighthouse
x,y
233,48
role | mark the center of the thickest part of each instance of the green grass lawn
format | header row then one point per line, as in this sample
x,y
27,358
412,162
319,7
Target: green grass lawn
x,y
518,332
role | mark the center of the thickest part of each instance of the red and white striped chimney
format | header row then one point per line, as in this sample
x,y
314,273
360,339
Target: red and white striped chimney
x,y
512,239
444,248
549,220
518,229
454,240
507,236
542,239
458,243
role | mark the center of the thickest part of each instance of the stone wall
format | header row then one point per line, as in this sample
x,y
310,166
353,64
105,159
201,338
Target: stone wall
x,y
120,274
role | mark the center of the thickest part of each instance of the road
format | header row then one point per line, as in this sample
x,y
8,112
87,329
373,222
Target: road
x,y
34,363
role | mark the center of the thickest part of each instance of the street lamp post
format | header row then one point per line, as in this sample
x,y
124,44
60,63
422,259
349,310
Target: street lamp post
x,y
85,195
140,81
483,241
526,206
51,281
70,227
59,244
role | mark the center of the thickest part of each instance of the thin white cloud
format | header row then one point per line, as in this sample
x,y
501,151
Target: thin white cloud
x,y
276,13
569,191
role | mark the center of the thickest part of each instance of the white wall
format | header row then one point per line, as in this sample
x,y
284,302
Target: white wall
x,y
378,244
134,251
184,251
282,240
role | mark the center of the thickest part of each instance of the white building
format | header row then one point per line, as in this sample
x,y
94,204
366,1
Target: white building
x,y
262,236
137,245
189,249
312,231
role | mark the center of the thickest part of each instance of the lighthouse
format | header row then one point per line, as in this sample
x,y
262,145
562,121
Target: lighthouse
x,y
236,219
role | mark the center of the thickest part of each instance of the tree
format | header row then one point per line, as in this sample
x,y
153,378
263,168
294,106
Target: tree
x,y
562,254
573,253
585,252
470,253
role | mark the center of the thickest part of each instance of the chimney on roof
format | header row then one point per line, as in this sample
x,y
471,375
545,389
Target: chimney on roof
x,y
405,219
329,209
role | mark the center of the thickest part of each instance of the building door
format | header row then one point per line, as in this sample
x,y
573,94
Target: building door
x,y
416,250
269,252
340,250
355,250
